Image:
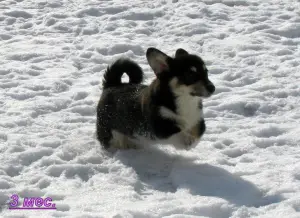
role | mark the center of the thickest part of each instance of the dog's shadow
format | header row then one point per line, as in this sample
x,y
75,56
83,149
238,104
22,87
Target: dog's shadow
x,y
168,172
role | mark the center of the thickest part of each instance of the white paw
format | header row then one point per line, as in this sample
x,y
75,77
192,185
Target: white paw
x,y
189,141
184,141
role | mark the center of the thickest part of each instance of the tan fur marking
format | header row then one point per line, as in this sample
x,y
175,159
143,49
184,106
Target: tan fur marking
x,y
146,94
194,131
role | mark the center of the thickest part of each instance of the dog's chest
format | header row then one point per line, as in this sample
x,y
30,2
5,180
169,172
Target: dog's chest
x,y
189,111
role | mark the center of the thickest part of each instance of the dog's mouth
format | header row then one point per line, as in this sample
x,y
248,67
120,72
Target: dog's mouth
x,y
201,90
203,95
195,94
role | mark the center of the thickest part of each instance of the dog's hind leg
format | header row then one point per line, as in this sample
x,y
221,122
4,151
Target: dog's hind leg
x,y
121,141
104,136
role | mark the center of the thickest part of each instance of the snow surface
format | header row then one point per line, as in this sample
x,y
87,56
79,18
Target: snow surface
x,y
52,56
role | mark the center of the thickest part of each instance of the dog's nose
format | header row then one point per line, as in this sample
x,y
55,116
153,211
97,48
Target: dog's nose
x,y
211,88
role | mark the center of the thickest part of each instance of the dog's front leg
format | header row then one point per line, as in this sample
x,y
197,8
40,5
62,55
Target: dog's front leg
x,y
188,140
182,140
191,137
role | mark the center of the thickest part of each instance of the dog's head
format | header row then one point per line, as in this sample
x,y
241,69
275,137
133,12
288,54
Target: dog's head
x,y
186,74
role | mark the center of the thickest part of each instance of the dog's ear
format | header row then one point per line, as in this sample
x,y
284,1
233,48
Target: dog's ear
x,y
180,52
157,60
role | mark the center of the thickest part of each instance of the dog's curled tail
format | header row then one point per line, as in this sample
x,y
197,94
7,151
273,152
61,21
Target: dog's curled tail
x,y
113,74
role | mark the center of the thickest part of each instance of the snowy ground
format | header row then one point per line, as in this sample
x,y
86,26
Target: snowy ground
x,y
52,57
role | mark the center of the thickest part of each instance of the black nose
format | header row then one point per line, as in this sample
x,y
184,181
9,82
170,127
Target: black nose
x,y
211,88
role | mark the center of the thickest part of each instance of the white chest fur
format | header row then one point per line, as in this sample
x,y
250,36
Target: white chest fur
x,y
188,111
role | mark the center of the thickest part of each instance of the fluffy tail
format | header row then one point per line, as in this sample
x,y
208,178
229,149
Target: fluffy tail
x,y
113,74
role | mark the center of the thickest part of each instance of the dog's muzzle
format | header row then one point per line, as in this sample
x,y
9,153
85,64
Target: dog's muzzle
x,y
202,90
211,88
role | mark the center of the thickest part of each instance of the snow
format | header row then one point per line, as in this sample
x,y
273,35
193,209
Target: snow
x,y
53,55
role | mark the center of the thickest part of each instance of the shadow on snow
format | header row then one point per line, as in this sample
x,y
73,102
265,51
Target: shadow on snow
x,y
167,172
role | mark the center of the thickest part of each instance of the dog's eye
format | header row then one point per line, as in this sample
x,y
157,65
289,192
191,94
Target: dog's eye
x,y
193,69
194,73
191,76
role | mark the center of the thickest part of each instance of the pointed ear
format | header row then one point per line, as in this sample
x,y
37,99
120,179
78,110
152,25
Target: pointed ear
x,y
180,52
157,60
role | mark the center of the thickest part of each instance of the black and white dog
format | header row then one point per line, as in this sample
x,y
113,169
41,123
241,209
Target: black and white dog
x,y
168,111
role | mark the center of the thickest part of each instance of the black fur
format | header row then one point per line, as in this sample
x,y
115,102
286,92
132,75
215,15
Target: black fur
x,y
120,108
202,127
113,74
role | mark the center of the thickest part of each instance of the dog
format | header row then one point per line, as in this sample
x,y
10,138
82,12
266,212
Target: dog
x,y
168,111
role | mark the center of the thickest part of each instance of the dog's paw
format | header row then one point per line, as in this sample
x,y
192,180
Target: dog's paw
x,y
189,141
125,146
184,141
131,146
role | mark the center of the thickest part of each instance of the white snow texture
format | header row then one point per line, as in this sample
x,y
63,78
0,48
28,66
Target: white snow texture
x,y
53,54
